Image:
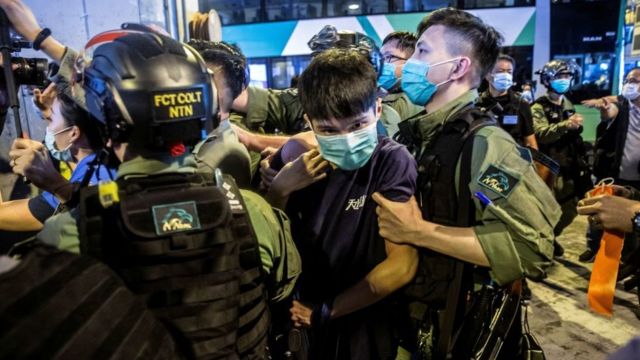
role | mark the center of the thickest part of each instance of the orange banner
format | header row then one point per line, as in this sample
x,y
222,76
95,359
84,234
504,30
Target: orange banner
x,y
602,285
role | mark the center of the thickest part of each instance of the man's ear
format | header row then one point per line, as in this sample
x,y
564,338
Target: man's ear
x,y
75,133
462,68
378,112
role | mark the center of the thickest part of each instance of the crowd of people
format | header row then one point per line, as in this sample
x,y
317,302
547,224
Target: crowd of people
x,y
382,209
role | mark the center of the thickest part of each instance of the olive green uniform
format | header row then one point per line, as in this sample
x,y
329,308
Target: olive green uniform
x,y
402,105
517,233
547,133
279,256
281,109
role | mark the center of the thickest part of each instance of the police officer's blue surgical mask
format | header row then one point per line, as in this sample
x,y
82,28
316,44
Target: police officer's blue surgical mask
x,y
561,86
388,77
415,83
50,143
349,151
502,81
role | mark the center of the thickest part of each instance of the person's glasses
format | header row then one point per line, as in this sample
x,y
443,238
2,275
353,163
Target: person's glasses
x,y
393,58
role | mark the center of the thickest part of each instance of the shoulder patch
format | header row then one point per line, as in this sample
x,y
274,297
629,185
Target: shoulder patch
x,y
177,217
498,181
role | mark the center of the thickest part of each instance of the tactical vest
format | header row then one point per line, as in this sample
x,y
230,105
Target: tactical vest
x,y
442,282
57,305
188,249
489,104
441,201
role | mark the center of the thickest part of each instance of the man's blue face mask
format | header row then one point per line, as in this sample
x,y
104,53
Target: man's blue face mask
x,y
561,86
415,83
502,81
388,77
50,143
349,151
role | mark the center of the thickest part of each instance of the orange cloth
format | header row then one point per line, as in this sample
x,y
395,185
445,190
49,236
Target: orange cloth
x,y
602,285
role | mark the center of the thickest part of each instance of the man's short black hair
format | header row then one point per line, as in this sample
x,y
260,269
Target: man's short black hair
x,y
406,40
473,37
505,57
75,115
227,56
339,84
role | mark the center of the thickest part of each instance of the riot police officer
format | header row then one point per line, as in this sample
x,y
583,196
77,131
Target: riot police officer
x,y
558,128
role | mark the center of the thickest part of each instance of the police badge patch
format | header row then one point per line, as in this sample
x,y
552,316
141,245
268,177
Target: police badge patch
x,y
498,181
178,217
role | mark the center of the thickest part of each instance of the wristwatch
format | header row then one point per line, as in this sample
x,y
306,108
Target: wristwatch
x,y
635,222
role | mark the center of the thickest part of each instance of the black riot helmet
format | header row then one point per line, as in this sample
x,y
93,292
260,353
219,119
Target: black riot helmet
x,y
329,37
557,67
149,90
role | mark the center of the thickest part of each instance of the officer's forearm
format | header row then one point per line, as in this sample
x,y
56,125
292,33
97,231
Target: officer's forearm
x,y
260,142
549,133
16,216
460,243
397,270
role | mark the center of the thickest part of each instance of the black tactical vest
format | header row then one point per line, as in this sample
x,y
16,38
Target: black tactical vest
x,y
188,249
442,202
57,305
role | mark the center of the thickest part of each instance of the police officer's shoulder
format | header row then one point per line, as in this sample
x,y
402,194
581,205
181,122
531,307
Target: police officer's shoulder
x,y
501,165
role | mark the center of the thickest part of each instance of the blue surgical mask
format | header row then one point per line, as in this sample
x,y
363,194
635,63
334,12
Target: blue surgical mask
x,y
388,77
415,83
349,151
502,81
561,86
527,96
50,143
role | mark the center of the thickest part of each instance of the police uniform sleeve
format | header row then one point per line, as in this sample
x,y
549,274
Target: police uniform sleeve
x,y
274,109
280,258
61,231
516,229
547,133
526,118
62,77
403,106
390,120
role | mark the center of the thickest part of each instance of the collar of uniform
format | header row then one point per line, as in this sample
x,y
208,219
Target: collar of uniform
x,y
430,122
143,166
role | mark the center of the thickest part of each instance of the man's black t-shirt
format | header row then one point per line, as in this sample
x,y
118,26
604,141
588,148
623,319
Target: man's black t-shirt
x,y
335,227
513,114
